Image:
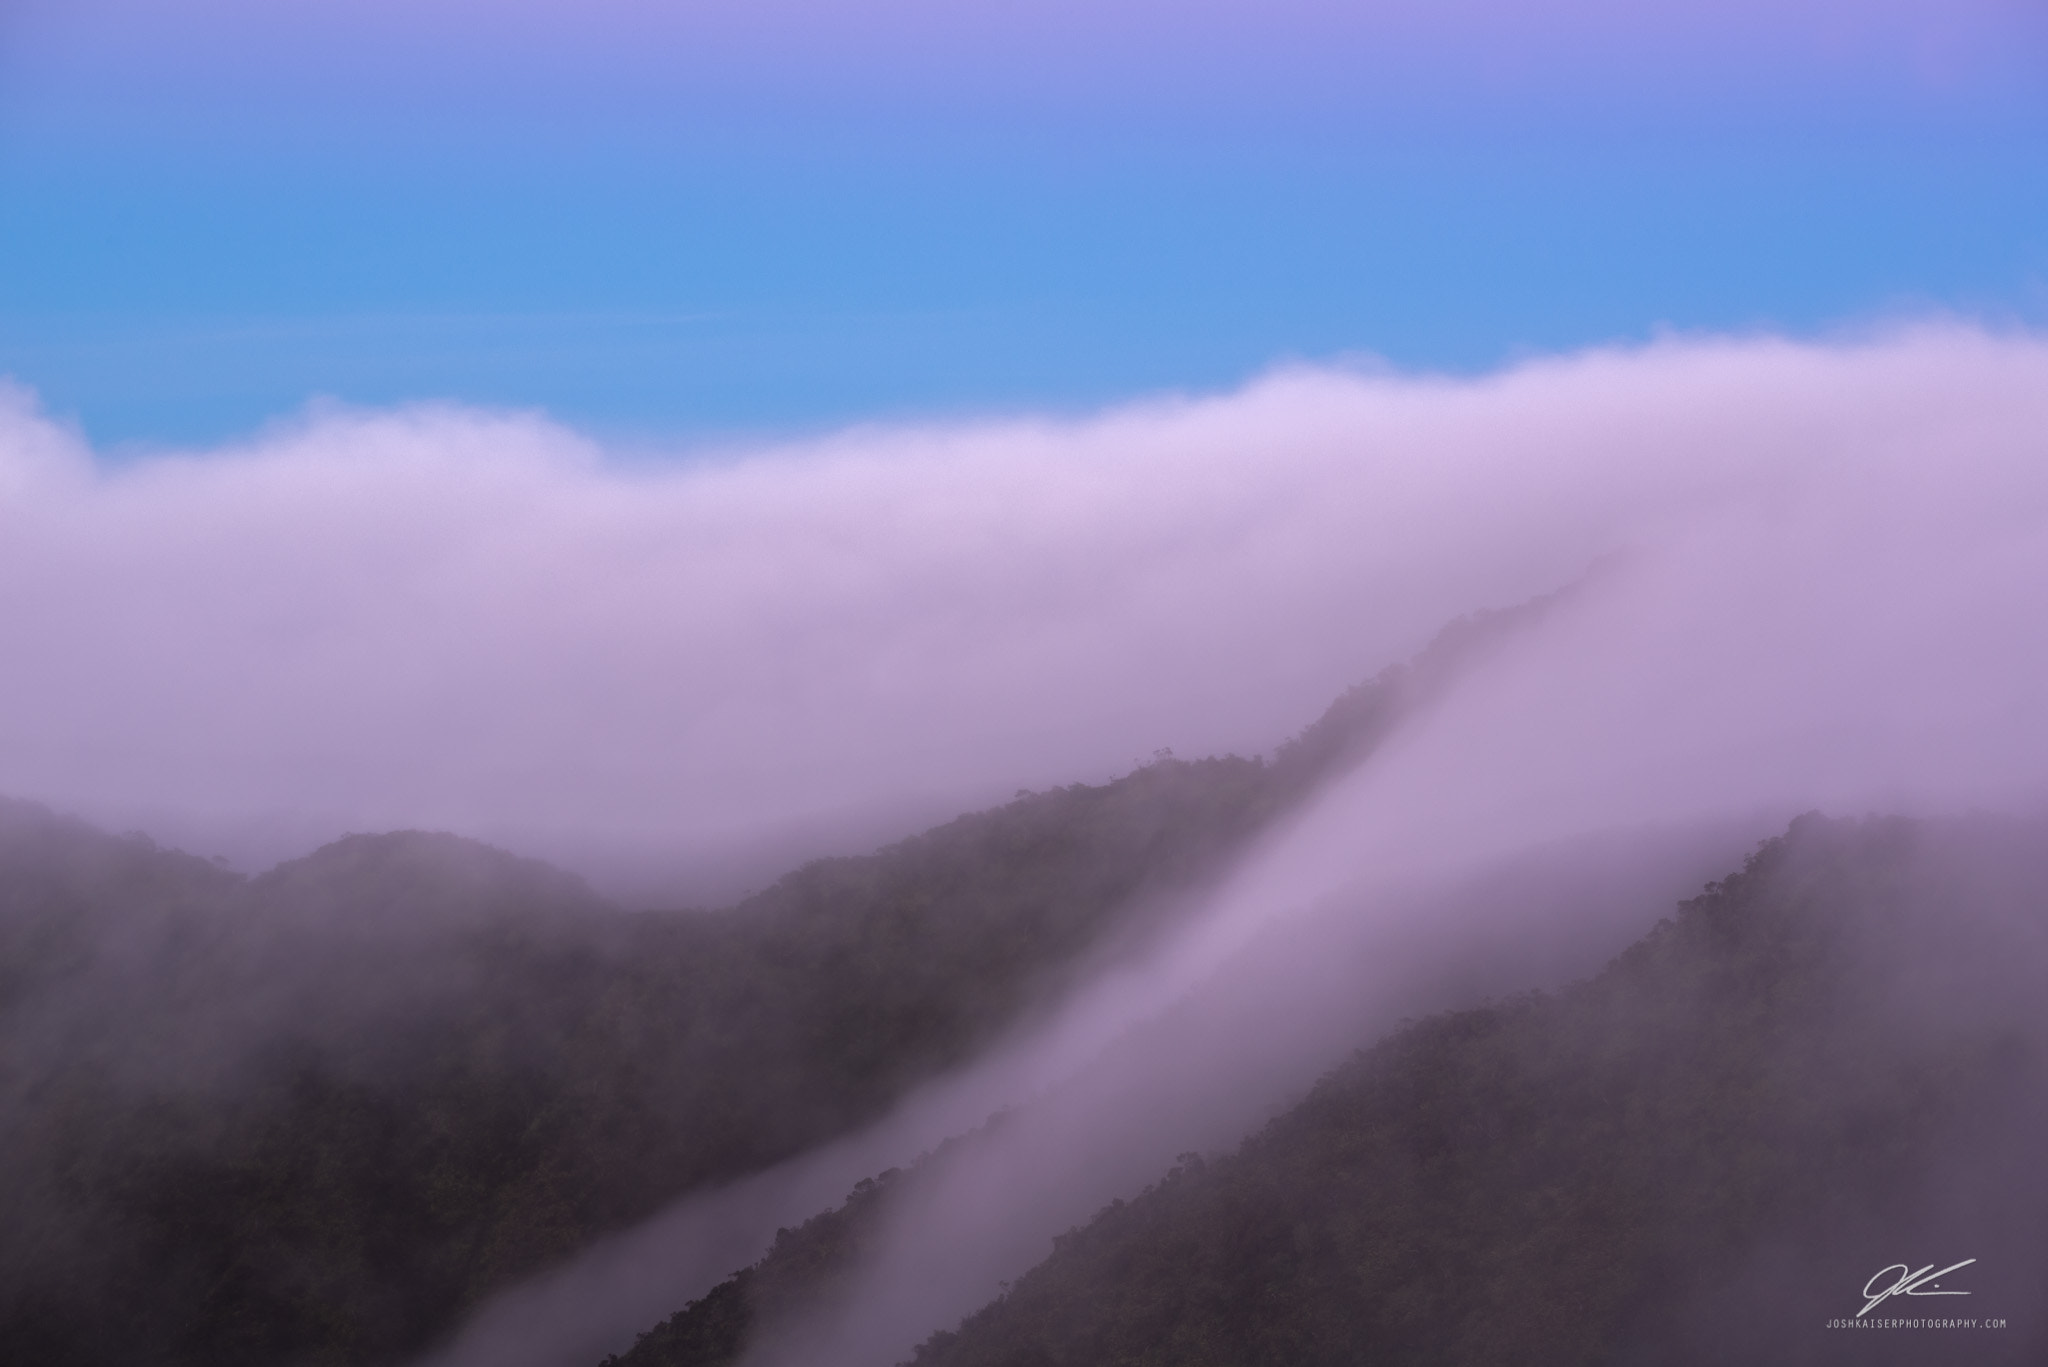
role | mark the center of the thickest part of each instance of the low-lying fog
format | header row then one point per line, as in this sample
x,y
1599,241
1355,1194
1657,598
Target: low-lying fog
x,y
1808,576
1098,1101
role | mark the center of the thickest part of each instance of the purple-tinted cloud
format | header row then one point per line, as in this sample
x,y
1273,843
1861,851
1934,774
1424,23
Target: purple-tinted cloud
x,y
483,622
1829,597
1850,625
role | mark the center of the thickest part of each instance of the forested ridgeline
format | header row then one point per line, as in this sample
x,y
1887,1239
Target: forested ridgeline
x,y
316,1115
1835,1060
1833,1057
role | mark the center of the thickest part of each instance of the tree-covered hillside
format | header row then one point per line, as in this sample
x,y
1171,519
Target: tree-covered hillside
x,y
1835,1060
316,1115
1831,1058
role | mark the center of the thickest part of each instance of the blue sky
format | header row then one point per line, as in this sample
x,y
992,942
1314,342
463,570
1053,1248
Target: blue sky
x,y
790,222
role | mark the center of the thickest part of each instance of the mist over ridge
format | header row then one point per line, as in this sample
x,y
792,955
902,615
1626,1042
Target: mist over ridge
x,y
1760,577
1089,683
328,1109
1827,607
675,675
1834,1048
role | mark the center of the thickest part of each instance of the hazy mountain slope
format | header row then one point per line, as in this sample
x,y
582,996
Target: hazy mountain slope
x,y
66,884
338,1103
1832,1061
313,1116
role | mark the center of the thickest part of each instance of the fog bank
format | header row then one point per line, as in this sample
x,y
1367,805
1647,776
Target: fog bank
x,y
675,671
1865,645
1821,567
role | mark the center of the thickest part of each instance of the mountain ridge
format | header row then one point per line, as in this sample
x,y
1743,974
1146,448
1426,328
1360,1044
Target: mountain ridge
x,y
1754,1089
380,1139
